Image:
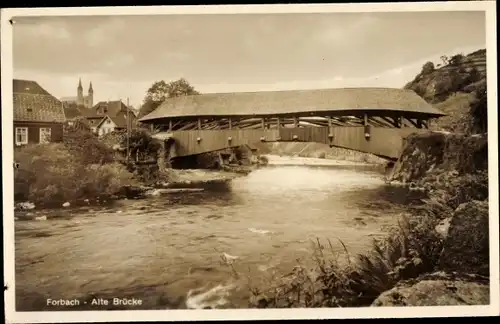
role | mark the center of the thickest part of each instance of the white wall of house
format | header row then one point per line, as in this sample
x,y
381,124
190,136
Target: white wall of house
x,y
107,126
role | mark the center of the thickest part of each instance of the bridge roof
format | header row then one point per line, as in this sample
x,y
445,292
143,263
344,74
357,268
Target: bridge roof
x,y
275,103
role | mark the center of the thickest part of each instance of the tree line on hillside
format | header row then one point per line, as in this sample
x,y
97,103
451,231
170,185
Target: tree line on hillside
x,y
161,90
457,75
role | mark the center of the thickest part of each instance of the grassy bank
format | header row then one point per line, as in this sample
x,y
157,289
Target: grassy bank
x,y
452,172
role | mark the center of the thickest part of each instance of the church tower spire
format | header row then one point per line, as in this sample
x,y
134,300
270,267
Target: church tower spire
x,y
91,96
79,99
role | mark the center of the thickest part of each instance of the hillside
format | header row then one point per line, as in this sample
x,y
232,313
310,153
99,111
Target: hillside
x,y
455,88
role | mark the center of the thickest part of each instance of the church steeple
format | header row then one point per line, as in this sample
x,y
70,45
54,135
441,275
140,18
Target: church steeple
x,y
79,98
91,96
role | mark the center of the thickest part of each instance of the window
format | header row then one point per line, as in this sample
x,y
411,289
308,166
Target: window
x,y
21,135
45,135
108,121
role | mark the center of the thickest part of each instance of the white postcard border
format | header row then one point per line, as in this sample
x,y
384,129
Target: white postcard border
x,y
249,314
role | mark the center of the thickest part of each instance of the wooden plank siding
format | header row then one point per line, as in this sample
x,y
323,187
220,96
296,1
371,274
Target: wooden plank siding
x,y
305,134
384,142
34,131
186,142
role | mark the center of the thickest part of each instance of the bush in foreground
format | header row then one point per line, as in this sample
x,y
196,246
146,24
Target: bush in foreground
x,y
53,174
86,147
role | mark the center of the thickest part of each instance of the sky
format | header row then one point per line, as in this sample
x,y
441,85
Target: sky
x,y
124,55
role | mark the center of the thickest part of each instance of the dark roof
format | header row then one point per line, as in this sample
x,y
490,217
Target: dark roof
x,y
34,103
103,108
72,110
28,87
120,120
293,102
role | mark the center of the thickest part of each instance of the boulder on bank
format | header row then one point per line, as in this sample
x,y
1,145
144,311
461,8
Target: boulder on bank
x,y
24,206
424,153
438,289
466,245
132,191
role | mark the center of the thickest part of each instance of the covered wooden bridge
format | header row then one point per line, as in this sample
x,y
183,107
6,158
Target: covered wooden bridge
x,y
370,120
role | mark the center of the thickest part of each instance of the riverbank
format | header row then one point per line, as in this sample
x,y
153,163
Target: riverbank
x,y
118,183
441,241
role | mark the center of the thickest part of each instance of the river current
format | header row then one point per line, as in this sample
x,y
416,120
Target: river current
x,y
181,250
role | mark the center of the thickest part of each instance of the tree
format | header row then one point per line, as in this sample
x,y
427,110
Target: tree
x,y
141,144
160,91
445,59
479,109
428,68
457,59
148,107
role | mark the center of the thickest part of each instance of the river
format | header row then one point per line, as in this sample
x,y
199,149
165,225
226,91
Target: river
x,y
169,250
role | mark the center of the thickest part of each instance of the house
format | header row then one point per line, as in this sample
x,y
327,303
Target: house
x,y
110,124
38,115
111,109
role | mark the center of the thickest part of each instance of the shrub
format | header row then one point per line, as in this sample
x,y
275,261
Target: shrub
x,y
105,180
263,159
53,174
86,147
428,68
479,110
142,145
456,59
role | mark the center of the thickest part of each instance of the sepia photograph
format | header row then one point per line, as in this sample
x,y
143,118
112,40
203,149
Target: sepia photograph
x,y
250,162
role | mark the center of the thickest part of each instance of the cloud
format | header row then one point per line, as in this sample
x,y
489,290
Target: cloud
x,y
342,31
123,56
123,61
52,31
104,32
391,78
41,31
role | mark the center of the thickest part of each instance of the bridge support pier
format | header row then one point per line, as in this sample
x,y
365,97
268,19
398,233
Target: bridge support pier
x,y
161,154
